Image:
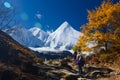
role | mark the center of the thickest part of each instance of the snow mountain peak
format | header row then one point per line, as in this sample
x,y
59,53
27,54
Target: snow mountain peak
x,y
35,30
64,26
64,37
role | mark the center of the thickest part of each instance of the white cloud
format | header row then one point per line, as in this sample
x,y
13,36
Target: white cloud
x,y
38,15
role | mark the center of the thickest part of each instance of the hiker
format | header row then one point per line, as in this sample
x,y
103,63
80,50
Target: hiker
x,y
75,55
80,62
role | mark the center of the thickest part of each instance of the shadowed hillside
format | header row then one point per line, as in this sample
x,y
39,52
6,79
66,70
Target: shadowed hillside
x,y
18,62
10,49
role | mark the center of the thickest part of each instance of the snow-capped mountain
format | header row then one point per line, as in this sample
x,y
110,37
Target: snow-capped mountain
x,y
24,36
63,38
40,34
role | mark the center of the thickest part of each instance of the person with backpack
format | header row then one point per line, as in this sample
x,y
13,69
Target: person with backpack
x,y
80,62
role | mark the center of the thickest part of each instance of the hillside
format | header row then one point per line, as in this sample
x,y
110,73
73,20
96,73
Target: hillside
x,y
11,48
19,63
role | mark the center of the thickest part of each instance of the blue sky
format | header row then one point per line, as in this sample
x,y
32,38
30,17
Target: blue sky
x,y
50,14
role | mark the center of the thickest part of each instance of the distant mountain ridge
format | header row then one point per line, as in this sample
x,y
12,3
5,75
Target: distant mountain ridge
x,y
24,36
62,38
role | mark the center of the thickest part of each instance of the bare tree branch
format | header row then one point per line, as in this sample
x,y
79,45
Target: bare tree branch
x,y
7,16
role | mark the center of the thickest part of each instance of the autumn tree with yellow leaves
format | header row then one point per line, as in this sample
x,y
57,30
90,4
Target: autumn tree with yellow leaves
x,y
103,28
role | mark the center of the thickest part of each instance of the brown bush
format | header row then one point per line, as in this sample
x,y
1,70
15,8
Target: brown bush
x,y
109,58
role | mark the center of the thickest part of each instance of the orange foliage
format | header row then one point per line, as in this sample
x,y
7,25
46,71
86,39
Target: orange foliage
x,y
103,27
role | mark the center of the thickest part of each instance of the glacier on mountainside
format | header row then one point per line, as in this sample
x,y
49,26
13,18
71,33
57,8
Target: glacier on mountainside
x,y
40,34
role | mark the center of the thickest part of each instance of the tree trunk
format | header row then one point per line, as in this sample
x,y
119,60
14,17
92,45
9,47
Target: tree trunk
x,y
106,47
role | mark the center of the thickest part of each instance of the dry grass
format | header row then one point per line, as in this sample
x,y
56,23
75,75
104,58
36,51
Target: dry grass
x,y
116,77
113,66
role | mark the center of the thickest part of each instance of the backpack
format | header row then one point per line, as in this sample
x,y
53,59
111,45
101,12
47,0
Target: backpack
x,y
80,61
77,61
